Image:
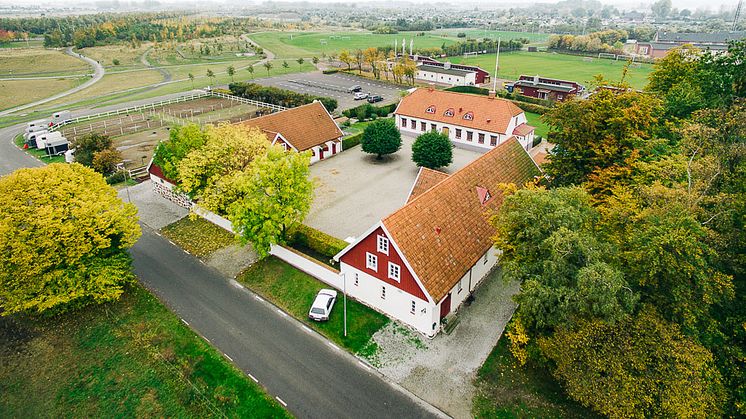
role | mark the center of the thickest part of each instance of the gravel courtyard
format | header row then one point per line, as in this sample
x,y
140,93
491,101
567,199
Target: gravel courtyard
x,y
354,190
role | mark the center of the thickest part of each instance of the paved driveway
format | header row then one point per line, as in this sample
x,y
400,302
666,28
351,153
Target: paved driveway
x,y
354,190
333,86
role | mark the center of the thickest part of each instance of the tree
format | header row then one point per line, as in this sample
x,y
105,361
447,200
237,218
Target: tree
x,y
640,367
191,78
285,65
381,137
661,8
64,235
300,62
432,150
250,69
181,141
272,195
359,58
315,60
346,58
105,161
88,145
228,149
267,66
231,71
210,75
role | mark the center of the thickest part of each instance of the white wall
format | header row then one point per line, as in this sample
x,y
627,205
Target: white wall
x,y
213,218
314,268
315,157
452,133
473,278
397,303
468,79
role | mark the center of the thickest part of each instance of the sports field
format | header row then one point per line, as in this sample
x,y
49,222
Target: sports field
x,y
477,33
308,44
566,67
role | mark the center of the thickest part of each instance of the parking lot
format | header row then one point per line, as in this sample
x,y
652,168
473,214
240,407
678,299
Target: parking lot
x,y
334,86
354,190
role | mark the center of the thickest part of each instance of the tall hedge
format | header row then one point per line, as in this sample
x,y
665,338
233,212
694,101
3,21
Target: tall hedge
x,y
303,235
276,96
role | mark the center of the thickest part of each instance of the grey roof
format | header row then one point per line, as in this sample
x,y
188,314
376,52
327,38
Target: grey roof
x,y
548,86
665,47
702,38
442,70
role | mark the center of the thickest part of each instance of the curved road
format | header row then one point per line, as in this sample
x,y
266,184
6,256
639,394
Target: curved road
x,y
311,376
98,73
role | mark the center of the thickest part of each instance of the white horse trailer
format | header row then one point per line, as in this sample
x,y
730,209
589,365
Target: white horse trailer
x,y
31,137
41,140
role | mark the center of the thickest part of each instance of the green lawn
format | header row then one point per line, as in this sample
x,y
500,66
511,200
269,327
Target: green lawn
x,y
477,33
508,390
198,236
561,66
534,119
39,154
294,292
131,358
308,44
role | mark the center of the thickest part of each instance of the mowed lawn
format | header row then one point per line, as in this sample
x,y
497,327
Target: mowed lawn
x,y
561,66
19,92
39,62
476,33
131,358
308,44
534,119
106,54
112,83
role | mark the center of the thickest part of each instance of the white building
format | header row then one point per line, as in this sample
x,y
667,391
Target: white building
x,y
471,121
446,75
419,264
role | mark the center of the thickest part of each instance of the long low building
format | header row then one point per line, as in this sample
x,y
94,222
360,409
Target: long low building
x,y
470,121
545,88
446,74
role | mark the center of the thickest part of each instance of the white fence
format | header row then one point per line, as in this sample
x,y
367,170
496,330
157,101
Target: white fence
x,y
316,269
213,218
249,101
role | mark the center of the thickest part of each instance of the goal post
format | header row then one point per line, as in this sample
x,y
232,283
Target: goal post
x,y
607,55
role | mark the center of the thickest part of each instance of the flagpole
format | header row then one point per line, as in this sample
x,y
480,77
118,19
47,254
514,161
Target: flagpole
x,y
497,60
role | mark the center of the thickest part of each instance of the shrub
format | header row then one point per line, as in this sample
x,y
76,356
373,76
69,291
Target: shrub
x,y
351,141
432,150
303,235
88,145
115,61
528,104
330,71
105,161
461,35
366,111
381,137
277,96
530,107
469,89
117,177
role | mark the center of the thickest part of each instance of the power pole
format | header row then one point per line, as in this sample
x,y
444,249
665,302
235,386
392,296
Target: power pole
x,y
738,15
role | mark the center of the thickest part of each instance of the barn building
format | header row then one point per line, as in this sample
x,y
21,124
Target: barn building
x,y
547,89
471,121
445,75
419,264
307,127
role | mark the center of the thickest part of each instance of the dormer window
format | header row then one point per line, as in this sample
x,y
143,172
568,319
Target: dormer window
x,y
469,116
483,194
448,112
430,109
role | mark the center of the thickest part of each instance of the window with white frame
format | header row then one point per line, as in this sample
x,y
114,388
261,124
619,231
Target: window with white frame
x,y
460,286
448,112
383,293
430,109
394,272
383,245
371,261
486,256
468,116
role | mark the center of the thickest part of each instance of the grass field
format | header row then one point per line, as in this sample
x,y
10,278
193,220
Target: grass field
x,y
308,44
534,119
110,83
566,67
38,61
18,92
130,358
506,389
294,292
106,54
476,33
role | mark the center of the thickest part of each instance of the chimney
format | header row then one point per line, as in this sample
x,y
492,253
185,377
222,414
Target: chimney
x,y
447,65
437,230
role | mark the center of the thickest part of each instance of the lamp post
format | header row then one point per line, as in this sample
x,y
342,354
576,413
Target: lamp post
x,y
344,293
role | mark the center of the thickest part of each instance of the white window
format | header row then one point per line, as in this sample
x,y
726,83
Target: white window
x,y
468,116
413,307
486,255
430,109
460,287
371,261
357,279
448,112
394,272
383,245
383,293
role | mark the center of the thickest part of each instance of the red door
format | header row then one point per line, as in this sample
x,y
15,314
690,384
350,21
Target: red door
x,y
321,153
334,148
445,306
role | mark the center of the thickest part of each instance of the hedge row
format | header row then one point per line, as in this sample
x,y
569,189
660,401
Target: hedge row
x,y
282,97
528,104
530,107
351,141
366,111
331,71
309,237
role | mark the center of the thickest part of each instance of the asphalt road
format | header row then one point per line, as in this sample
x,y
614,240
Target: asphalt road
x,y
310,375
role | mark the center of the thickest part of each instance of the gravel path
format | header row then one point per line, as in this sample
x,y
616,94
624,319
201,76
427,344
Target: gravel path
x,y
442,370
154,211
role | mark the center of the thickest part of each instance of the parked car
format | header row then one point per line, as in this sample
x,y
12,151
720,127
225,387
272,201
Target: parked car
x,y
374,98
360,96
322,305
354,88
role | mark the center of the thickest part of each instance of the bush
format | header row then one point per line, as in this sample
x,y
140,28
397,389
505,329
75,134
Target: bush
x,y
530,107
88,145
351,141
330,71
469,89
117,177
309,237
528,104
461,35
105,161
366,111
277,96
115,61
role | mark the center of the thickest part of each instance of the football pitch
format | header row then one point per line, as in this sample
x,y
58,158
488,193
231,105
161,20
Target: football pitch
x,y
560,66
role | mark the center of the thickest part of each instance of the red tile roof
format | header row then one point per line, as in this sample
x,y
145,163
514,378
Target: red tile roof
x,y
523,129
303,127
445,230
489,114
426,179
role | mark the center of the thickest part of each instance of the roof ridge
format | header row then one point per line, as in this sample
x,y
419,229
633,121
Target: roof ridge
x,y
450,177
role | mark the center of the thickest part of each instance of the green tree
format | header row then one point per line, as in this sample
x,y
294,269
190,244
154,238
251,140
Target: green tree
x,y
191,79
231,72
315,60
105,161
272,195
250,69
181,140
72,251
432,150
268,67
300,62
381,137
88,145
661,8
640,367
211,76
285,65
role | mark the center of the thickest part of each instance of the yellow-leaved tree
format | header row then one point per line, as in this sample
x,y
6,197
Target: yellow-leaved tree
x,y
64,235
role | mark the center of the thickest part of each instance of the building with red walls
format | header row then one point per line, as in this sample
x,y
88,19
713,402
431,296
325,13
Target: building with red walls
x,y
420,263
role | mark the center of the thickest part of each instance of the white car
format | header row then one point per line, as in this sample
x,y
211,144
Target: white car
x,y
322,305
360,96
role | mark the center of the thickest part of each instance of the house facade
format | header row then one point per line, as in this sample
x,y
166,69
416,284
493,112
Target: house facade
x,y
419,264
445,75
547,89
470,121
304,128
663,42
481,76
